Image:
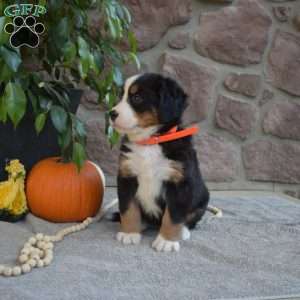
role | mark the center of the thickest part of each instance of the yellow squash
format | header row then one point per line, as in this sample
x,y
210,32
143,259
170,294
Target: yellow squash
x,y
13,205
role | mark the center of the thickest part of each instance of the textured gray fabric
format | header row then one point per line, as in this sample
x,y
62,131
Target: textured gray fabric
x,y
253,251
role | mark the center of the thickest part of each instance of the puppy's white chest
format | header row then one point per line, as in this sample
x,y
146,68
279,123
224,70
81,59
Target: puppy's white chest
x,y
151,168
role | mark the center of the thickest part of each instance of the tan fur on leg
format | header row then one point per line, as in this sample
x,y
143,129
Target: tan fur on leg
x,y
131,219
169,230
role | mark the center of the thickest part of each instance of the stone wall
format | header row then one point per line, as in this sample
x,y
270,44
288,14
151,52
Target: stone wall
x,y
239,61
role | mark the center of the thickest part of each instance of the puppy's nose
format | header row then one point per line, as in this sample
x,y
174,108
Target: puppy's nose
x,y
113,114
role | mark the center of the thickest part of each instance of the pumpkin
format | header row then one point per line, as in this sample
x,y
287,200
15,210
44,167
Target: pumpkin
x,y
57,192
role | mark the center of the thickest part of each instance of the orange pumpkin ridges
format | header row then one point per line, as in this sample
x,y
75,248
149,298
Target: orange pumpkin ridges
x,y
58,193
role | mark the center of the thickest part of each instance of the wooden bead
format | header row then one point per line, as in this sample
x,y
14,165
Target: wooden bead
x,y
35,257
16,271
26,268
7,271
41,244
35,251
38,250
48,252
32,241
23,258
32,263
27,245
25,251
39,236
47,238
49,246
47,261
40,264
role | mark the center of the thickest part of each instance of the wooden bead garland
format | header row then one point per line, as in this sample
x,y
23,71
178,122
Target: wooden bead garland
x,y
38,250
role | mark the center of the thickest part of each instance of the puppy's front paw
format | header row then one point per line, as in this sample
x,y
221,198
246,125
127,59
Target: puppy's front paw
x,y
161,244
129,238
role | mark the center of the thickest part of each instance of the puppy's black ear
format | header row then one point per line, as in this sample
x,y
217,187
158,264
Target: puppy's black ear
x,y
173,101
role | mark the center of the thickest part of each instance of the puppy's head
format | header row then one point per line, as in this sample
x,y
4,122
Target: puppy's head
x,y
149,102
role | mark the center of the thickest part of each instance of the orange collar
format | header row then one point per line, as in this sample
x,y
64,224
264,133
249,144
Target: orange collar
x,y
171,135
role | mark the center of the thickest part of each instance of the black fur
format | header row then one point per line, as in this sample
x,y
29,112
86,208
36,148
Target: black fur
x,y
187,200
172,102
190,195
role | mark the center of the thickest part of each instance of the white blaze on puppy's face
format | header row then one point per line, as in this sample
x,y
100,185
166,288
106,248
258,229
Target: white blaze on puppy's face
x,y
126,119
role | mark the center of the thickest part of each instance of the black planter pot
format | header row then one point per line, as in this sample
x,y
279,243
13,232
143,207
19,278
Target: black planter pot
x,y
24,144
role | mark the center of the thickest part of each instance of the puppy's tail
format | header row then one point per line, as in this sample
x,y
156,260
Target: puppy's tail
x,y
214,210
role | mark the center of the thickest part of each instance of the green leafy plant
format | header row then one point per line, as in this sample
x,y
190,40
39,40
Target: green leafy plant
x,y
72,51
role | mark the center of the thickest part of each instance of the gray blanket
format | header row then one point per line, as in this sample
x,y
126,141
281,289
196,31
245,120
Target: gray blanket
x,y
253,251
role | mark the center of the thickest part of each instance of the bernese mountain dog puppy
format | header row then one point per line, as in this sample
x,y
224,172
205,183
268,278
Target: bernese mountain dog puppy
x,y
158,184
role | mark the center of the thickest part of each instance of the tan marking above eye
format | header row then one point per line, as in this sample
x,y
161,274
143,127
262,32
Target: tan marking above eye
x,y
134,89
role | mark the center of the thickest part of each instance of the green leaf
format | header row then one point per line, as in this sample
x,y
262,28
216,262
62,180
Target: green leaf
x,y
80,17
117,76
11,58
65,138
128,15
99,61
132,41
80,128
5,71
3,110
112,29
118,27
3,35
40,122
113,136
78,155
111,11
62,30
93,64
84,53
33,99
59,118
42,2
110,100
45,103
69,52
83,48
134,58
83,68
109,79
15,101
55,5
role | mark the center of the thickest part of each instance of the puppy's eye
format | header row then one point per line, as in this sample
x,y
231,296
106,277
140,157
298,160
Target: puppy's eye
x,y
136,99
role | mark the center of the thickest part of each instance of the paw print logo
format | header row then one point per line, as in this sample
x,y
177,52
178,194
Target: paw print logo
x,y
24,32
